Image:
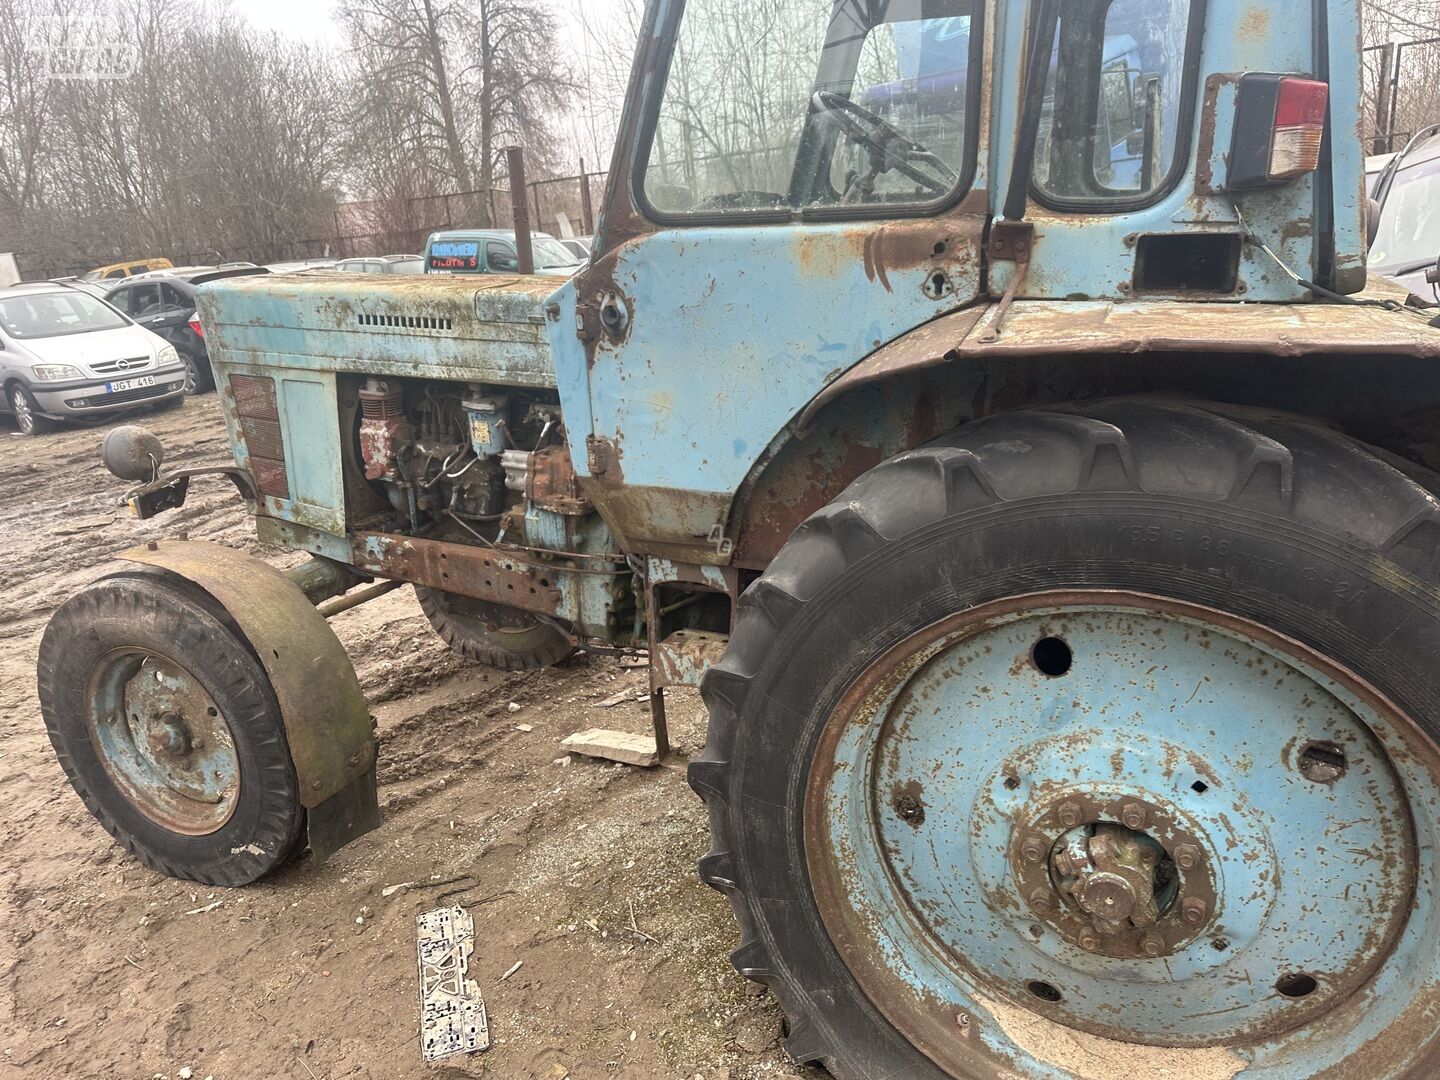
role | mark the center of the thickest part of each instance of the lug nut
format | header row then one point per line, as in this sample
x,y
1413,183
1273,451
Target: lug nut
x,y
1187,856
1194,910
1043,901
1070,814
1088,941
1033,849
1152,944
1132,816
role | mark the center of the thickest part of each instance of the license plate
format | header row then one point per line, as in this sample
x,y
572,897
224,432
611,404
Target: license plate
x,y
129,384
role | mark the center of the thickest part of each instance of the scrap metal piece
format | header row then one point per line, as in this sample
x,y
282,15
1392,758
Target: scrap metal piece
x,y
452,1014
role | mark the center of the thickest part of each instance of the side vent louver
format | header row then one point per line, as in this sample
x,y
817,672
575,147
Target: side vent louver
x,y
408,322
259,421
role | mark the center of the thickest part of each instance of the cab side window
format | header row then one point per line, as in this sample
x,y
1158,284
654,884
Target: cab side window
x,y
1111,130
172,299
500,258
120,298
145,300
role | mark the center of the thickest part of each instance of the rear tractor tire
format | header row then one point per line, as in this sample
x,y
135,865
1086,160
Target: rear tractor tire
x,y
491,634
169,731
1091,741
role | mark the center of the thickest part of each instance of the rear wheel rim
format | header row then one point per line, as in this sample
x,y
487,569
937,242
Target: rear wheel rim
x,y
163,741
20,405
950,824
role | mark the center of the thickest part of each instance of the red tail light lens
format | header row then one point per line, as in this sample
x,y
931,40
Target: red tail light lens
x,y
195,325
1299,128
1279,129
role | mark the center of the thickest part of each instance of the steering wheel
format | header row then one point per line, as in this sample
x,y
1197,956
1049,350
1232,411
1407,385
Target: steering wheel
x,y
890,148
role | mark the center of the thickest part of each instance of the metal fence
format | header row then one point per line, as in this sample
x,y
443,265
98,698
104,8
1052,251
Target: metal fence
x,y
1401,79
559,206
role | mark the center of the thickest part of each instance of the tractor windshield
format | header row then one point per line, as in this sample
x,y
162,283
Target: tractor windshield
x,y
781,106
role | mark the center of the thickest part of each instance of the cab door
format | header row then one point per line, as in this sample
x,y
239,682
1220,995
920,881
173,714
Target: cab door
x,y
796,184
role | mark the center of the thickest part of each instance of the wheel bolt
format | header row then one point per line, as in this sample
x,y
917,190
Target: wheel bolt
x,y
1088,941
1187,856
1132,816
1070,814
1194,910
1043,901
1152,944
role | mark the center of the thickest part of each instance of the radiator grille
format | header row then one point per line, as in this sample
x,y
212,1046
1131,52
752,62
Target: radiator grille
x,y
260,428
409,322
111,367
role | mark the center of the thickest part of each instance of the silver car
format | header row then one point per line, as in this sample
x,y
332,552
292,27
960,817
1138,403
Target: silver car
x,y
64,353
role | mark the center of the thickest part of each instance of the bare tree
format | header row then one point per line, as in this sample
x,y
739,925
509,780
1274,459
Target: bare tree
x,y
452,82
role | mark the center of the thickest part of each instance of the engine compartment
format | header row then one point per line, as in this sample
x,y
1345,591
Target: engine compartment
x,y
471,463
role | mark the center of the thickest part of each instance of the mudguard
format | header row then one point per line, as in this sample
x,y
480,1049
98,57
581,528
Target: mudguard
x,y
327,721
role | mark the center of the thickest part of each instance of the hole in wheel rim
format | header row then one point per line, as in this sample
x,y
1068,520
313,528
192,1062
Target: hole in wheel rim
x,y
1322,762
1296,985
1043,990
1052,656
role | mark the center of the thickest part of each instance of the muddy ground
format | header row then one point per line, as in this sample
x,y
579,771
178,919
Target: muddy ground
x,y
110,970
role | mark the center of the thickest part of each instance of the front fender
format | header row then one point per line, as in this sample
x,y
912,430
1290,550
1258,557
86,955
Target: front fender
x,y
327,721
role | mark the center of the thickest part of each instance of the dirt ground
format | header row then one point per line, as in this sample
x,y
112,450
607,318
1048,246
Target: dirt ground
x,y
109,970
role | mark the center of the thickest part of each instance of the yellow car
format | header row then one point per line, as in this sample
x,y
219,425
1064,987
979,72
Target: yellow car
x,y
126,269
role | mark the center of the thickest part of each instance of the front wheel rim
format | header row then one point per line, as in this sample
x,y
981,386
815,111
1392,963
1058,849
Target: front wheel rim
x,y
163,741
943,814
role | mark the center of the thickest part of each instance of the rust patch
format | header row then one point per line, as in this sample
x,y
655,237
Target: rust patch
x,y
508,579
908,801
1255,23
551,482
604,311
1205,148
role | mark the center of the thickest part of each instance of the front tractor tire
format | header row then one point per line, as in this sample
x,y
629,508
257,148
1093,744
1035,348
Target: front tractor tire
x,y
1088,741
490,634
168,729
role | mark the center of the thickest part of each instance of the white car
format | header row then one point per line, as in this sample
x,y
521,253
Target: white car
x,y
65,353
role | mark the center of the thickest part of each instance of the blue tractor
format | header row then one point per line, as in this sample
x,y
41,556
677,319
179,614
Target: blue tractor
x,y
1056,545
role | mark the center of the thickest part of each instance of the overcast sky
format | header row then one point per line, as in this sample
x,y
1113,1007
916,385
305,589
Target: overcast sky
x,y
581,39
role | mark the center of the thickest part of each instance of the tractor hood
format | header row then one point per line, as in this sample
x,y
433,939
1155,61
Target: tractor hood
x,y
468,329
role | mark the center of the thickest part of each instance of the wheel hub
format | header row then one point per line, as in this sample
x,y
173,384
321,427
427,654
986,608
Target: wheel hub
x,y
1107,885
163,742
170,736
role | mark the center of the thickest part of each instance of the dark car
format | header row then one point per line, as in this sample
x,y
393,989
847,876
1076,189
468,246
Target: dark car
x,y
383,264
164,302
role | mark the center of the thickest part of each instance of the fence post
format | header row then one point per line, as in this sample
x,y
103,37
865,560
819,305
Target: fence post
x,y
1383,105
515,160
587,212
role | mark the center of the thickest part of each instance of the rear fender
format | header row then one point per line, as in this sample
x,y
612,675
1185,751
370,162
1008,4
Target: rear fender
x,y
327,721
